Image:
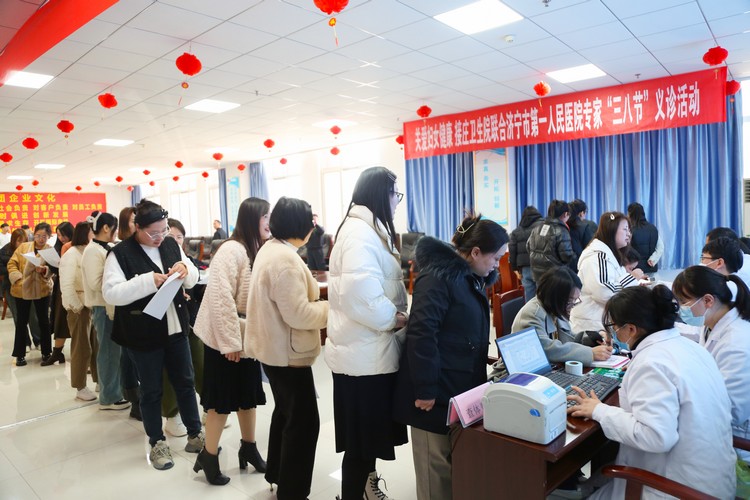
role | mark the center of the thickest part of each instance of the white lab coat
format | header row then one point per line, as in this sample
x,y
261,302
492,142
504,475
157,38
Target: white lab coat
x,y
729,344
674,418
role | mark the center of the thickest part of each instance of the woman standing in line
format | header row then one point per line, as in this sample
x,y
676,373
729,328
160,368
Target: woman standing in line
x,y
58,315
83,343
446,342
645,239
126,223
368,312
31,286
231,380
282,331
17,237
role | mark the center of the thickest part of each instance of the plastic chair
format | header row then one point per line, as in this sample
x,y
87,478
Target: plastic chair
x,y
505,307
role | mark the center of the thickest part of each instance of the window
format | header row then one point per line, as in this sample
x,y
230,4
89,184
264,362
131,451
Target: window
x,y
285,181
338,186
183,205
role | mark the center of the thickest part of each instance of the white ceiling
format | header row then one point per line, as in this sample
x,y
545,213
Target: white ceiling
x,y
279,61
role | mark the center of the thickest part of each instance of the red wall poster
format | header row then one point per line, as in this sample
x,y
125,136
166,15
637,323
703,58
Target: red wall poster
x,y
675,101
20,208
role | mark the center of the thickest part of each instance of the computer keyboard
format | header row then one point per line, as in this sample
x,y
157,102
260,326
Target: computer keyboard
x,y
600,384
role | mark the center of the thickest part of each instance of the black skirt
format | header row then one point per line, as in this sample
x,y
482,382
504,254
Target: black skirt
x,y
230,386
362,410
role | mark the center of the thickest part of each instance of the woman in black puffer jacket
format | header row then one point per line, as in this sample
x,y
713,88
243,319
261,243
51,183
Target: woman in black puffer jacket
x,y
517,253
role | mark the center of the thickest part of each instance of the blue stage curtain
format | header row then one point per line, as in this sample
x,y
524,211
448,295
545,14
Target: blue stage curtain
x,y
439,191
688,179
258,180
135,195
223,213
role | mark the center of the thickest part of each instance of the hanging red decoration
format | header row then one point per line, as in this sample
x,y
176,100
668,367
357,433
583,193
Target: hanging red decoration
x,y
335,151
424,111
146,172
189,65
218,156
78,188
282,161
35,183
152,183
118,178
19,188
65,127
240,167
107,100
331,6
733,86
542,89
400,139
715,56
176,178
97,183
205,175
130,188
178,164
30,143
269,143
335,130
6,157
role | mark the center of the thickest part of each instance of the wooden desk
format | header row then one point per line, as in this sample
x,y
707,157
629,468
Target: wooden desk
x,y
487,465
322,278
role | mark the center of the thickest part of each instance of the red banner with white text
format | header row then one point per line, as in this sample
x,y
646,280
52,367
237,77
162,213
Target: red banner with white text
x,y
17,209
676,101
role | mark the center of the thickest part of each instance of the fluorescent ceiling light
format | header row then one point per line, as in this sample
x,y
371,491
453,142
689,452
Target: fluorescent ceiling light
x,y
211,106
50,166
577,73
479,16
113,142
331,123
28,80
20,177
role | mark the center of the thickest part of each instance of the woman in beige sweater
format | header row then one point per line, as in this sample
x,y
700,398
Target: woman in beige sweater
x,y
231,380
283,332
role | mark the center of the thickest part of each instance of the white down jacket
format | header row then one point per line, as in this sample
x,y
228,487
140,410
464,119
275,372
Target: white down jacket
x,y
365,290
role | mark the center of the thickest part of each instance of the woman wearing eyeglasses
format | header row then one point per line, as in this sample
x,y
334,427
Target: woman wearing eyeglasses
x,y
134,271
674,416
31,286
368,312
558,292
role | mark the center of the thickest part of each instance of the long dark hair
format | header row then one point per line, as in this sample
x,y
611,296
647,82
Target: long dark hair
x,y
17,237
99,219
697,281
608,224
554,288
247,229
373,190
637,215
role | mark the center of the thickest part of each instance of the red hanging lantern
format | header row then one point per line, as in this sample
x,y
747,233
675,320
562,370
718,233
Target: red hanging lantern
x,y
19,188
30,143
542,89
218,156
107,100
400,139
282,161
335,130
78,188
189,65
205,175
178,164
146,172
733,86
335,151
176,178
65,127
35,183
240,167
118,178
269,143
152,183
6,157
715,56
97,183
130,188
424,111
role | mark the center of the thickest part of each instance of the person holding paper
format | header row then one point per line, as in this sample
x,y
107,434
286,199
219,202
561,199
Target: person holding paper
x,y
134,272
446,342
31,286
18,236
58,317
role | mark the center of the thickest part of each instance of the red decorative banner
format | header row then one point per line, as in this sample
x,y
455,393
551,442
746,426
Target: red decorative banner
x,y
22,208
676,101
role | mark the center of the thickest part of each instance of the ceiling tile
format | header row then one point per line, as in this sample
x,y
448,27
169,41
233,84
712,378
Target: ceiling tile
x,y
380,17
263,87
433,7
499,94
122,12
322,36
210,57
48,66
373,49
287,51
266,16
440,73
252,66
224,9
235,38
422,33
617,50
574,17
510,73
631,64
664,20
146,82
173,21
734,43
296,76
467,83
596,36
114,59
456,49
401,83
740,70
559,62
484,62
593,83
730,25
523,31
643,72
725,8
93,32
462,102
141,42
68,50
694,37
530,9
411,61
219,79
537,50
330,63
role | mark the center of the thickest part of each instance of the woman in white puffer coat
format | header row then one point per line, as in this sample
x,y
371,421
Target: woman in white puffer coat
x,y
367,301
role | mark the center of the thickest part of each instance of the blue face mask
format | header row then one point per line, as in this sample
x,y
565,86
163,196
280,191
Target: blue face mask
x,y
686,313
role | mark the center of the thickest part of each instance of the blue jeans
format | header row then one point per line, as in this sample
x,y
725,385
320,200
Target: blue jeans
x,y
529,286
175,357
107,358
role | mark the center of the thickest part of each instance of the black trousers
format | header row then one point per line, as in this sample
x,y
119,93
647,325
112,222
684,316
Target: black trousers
x,y
23,308
293,436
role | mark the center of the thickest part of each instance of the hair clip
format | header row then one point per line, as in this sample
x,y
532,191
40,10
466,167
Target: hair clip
x,y
460,229
612,216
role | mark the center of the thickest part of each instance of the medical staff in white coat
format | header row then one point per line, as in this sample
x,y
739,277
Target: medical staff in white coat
x,y
705,293
674,417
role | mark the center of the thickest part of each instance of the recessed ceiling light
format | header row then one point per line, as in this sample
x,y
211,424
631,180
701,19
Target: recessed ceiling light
x,y
113,142
50,166
28,80
212,106
479,16
20,177
576,73
331,123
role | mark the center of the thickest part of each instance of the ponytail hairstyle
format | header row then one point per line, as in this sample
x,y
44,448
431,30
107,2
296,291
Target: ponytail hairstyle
x,y
697,281
487,235
99,219
649,309
608,224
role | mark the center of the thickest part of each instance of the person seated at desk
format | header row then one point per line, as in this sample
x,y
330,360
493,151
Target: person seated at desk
x,y
705,293
674,417
725,256
558,291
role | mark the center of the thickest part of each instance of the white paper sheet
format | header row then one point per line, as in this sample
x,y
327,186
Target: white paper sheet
x,y
157,306
32,258
50,256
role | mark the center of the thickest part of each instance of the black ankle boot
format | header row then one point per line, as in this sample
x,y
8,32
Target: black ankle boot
x,y
210,466
249,454
57,355
135,407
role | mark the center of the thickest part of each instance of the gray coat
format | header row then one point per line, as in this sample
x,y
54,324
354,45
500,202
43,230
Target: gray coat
x,y
558,351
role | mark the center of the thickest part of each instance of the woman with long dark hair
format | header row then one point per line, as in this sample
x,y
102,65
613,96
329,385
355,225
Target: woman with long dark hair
x,y
365,332
645,239
231,379
58,318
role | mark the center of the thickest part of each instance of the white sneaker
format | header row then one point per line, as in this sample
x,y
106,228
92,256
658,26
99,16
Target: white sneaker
x,y
175,427
372,488
160,456
85,394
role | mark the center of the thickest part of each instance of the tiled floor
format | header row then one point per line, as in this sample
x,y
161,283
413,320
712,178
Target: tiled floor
x,y
53,447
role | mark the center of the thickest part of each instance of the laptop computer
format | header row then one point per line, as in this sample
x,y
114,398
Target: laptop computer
x,y
522,352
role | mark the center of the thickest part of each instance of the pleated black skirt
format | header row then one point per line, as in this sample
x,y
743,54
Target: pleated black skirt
x,y
230,386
